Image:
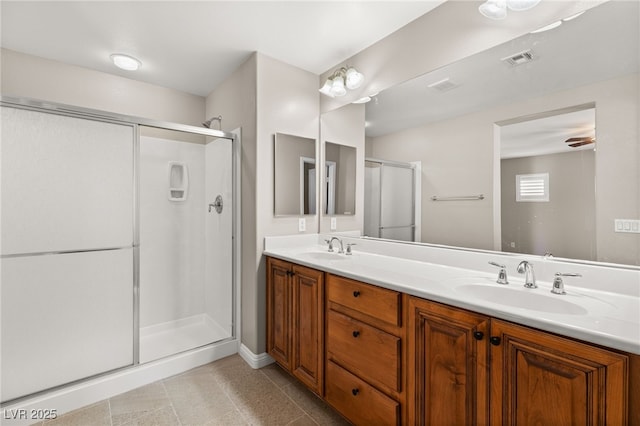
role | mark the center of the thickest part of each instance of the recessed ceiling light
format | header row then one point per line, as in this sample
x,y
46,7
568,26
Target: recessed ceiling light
x,y
363,100
125,62
547,27
573,16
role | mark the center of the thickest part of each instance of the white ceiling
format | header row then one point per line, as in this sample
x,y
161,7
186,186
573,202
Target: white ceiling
x,y
192,46
602,44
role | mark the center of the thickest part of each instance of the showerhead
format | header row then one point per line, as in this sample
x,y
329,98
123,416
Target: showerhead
x,y
207,123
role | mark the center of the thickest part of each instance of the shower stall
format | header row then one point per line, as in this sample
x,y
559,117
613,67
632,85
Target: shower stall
x,y
118,247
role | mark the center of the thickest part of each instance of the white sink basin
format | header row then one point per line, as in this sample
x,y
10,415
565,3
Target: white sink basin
x,y
323,255
540,299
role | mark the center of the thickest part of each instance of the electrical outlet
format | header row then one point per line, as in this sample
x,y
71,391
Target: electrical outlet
x,y
627,225
302,224
334,223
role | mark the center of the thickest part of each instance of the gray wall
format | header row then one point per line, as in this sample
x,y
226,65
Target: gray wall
x,y
459,158
565,225
264,96
345,126
38,78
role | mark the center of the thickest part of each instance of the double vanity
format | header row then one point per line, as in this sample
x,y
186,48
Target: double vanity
x,y
399,333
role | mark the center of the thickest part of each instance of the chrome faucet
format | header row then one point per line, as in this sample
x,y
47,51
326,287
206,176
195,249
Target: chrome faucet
x,y
558,285
526,268
502,275
330,242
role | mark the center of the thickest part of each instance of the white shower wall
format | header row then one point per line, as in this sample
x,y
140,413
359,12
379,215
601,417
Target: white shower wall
x,y
185,250
171,233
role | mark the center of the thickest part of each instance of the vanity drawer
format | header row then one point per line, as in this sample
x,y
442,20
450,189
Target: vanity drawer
x,y
359,402
365,350
368,299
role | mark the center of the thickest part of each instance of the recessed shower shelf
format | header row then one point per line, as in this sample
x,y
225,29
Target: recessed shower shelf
x,y
178,181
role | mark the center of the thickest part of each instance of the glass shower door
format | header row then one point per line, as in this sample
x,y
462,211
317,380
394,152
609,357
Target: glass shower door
x,y
186,244
67,249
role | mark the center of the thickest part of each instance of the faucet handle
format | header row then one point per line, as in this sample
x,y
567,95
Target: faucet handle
x,y
502,275
348,251
558,284
330,242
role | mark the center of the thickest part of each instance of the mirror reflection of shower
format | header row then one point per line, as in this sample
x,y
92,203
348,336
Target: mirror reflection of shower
x,y
392,200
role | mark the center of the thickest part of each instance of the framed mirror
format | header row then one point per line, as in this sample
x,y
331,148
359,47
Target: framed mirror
x,y
294,175
452,120
339,180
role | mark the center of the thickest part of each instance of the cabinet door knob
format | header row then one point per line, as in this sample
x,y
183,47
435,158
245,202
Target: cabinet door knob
x,y
478,335
356,293
355,391
356,333
495,340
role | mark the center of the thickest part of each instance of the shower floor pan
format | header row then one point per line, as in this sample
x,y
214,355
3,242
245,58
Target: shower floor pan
x,y
169,338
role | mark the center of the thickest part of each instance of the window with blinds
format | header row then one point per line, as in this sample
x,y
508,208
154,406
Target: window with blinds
x,y
532,187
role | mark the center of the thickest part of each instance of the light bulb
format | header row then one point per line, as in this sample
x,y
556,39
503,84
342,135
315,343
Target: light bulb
x,y
337,87
354,78
125,62
494,9
520,5
326,89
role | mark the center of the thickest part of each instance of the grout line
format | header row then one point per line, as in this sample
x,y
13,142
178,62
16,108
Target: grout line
x,y
175,413
110,412
281,389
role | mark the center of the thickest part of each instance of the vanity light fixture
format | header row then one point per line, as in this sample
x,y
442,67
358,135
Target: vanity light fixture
x,y
125,62
342,79
497,9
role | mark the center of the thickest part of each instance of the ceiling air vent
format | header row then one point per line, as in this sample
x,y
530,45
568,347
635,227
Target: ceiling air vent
x,y
519,58
443,85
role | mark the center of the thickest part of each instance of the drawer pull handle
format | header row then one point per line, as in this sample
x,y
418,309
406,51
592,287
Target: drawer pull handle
x,y
356,333
479,335
495,340
356,293
355,391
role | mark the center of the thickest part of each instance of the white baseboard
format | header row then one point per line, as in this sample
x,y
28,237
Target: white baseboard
x,y
255,361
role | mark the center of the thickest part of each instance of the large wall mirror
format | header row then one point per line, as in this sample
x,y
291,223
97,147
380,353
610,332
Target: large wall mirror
x,y
480,128
294,175
339,188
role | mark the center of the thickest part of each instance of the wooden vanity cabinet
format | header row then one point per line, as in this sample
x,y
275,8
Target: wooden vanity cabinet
x,y
540,378
472,369
295,321
448,360
381,357
364,350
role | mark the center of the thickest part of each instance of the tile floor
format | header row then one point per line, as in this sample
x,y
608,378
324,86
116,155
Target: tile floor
x,y
224,392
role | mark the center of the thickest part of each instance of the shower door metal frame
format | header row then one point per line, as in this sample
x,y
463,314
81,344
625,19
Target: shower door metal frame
x,y
135,123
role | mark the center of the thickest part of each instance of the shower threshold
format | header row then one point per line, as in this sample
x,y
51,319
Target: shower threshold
x,y
172,337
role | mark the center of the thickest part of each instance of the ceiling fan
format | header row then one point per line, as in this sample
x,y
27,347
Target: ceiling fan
x,y
579,141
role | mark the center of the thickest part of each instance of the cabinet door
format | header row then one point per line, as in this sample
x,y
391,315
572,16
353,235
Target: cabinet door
x,y
307,323
448,358
279,311
542,379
